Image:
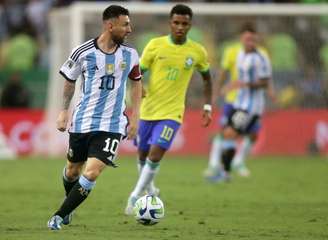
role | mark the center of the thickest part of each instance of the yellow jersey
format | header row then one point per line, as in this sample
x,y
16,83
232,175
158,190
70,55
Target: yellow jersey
x,y
228,63
171,67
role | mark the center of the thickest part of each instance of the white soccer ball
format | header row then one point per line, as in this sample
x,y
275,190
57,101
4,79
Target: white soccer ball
x,y
149,210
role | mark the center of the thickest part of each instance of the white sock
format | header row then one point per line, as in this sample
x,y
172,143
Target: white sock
x,y
151,187
140,165
215,153
242,153
146,177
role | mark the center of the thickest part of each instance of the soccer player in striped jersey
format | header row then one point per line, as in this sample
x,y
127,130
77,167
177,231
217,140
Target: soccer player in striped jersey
x,y
171,61
228,68
98,122
250,73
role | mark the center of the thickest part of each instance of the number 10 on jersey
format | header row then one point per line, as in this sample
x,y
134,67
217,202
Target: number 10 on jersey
x,y
172,74
107,82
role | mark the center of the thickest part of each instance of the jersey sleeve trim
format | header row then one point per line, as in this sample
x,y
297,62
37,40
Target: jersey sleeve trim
x,y
81,49
204,71
66,77
136,79
143,68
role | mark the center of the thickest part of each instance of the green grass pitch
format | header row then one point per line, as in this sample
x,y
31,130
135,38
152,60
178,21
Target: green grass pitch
x,y
285,198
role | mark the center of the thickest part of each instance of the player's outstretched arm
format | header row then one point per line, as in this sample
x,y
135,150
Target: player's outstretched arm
x,y
261,83
136,93
207,111
222,87
69,88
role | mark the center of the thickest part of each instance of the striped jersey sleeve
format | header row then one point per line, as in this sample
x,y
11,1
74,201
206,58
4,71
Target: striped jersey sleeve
x,y
264,67
72,68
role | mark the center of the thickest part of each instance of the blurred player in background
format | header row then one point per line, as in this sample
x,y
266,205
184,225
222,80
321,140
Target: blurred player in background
x,y
250,72
98,122
171,60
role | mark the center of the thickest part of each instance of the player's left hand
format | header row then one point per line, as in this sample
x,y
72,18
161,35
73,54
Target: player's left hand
x,y
133,128
207,118
62,120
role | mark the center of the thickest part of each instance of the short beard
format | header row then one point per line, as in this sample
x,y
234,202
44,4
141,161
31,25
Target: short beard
x,y
118,40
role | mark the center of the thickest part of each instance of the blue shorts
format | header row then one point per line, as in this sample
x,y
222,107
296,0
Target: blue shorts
x,y
159,132
227,111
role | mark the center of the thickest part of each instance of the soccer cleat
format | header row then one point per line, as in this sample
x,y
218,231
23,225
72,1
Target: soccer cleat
x,y
217,175
242,170
67,219
211,172
130,205
55,222
207,172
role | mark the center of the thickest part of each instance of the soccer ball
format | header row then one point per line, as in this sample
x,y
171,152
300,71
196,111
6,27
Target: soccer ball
x,y
149,210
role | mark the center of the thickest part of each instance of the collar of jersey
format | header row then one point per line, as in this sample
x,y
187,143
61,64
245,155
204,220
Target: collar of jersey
x,y
97,47
171,41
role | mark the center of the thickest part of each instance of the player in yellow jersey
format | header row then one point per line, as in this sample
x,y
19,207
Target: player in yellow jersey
x,y
229,91
171,61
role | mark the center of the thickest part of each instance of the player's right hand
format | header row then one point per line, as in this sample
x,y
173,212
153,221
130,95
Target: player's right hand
x,y
207,118
62,120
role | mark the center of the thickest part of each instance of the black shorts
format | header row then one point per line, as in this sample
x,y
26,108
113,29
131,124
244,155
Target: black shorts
x,y
242,121
101,145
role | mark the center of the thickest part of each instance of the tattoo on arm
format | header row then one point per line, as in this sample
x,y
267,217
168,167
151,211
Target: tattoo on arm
x,y
69,88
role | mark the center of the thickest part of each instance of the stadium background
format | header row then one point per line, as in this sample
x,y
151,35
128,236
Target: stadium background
x,y
285,197
298,47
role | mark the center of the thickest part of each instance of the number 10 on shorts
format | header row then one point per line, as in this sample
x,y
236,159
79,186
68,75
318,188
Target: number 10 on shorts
x,y
167,133
111,145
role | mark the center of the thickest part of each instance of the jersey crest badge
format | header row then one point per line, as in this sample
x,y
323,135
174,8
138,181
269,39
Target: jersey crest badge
x,y
189,62
123,65
110,69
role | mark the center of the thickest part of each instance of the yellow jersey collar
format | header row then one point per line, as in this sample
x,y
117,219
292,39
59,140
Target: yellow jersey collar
x,y
171,41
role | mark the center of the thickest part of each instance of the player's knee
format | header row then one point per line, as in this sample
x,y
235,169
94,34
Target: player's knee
x,y
156,153
72,172
229,133
143,155
155,156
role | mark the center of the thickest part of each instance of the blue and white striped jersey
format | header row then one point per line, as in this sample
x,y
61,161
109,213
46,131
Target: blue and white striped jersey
x,y
252,67
104,76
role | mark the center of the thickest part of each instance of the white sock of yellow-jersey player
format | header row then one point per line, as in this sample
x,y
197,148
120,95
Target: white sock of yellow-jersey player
x,y
242,153
147,175
215,153
151,187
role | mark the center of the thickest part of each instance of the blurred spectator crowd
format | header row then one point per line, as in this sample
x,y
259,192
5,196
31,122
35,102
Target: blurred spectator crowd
x,y
299,52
